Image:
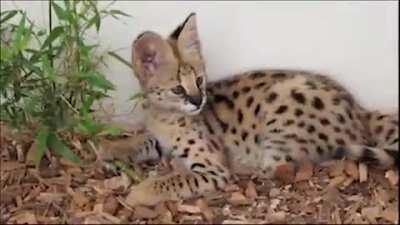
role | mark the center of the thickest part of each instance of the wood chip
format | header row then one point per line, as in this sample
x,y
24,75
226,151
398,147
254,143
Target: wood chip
x,y
363,172
20,154
11,165
95,219
237,198
336,169
18,200
392,176
188,208
110,205
50,197
331,197
371,213
251,191
335,182
142,212
25,218
274,192
336,217
382,196
98,208
305,172
235,222
78,197
111,218
391,214
355,198
117,182
277,217
33,194
274,203
347,182
124,214
165,216
285,172
31,154
205,210
190,219
351,169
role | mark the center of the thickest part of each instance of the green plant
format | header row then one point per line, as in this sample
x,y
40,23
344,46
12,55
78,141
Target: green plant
x,y
49,79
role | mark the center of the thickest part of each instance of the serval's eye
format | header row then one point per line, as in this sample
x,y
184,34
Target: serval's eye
x,y
199,81
178,90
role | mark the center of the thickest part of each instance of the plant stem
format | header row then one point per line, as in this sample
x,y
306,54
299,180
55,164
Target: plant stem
x,y
50,45
50,29
69,104
77,38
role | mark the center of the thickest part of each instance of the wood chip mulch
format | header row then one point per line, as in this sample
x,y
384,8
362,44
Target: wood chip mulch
x,y
59,192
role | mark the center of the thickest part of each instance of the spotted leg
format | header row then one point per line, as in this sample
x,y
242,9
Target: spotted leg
x,y
206,172
139,147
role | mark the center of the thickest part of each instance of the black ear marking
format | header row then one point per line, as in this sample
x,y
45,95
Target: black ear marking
x,y
139,36
142,35
175,34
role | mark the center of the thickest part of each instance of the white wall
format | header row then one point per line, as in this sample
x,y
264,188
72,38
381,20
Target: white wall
x,y
354,42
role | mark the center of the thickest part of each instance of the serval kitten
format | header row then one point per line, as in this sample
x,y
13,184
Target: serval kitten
x,y
250,123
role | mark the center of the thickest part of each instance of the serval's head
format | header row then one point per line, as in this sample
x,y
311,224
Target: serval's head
x,y
171,70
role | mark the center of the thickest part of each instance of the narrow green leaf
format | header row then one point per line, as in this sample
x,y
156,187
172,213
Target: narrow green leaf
x,y
87,103
118,12
113,131
95,20
90,127
96,16
97,80
67,4
41,33
54,34
48,71
41,146
136,96
20,31
98,21
87,48
62,149
27,34
6,15
119,58
6,54
60,12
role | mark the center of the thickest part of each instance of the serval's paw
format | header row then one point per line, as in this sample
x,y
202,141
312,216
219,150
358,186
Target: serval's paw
x,y
146,193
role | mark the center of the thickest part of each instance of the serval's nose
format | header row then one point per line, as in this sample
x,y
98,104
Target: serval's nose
x,y
195,100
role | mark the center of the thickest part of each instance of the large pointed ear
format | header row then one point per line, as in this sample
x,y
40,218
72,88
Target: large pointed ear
x,y
187,39
151,56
